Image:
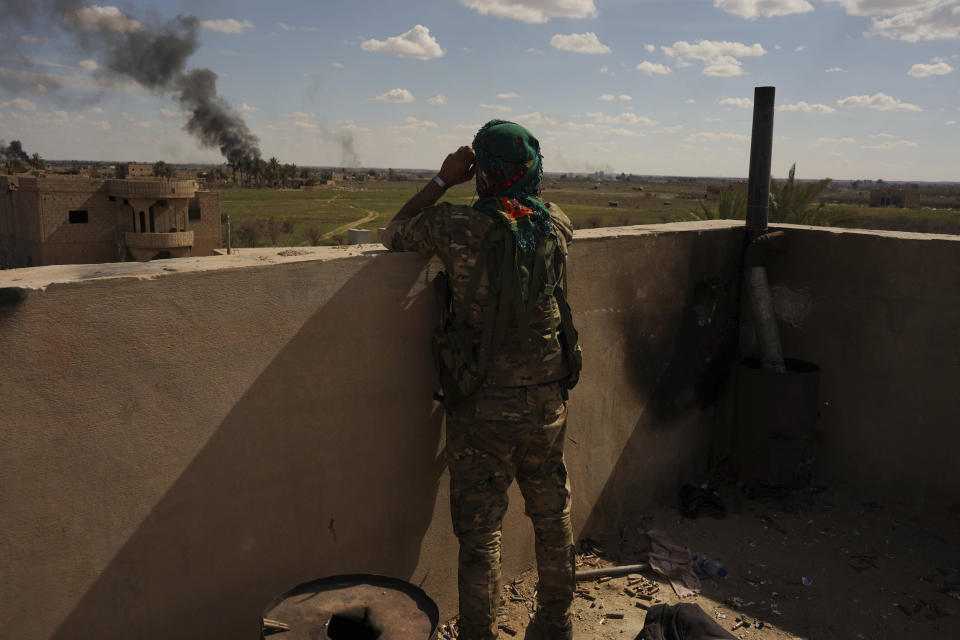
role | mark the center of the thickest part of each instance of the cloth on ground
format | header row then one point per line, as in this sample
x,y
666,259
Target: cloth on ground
x,y
676,563
684,621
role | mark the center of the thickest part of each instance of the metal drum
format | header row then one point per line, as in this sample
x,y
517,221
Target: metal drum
x,y
351,607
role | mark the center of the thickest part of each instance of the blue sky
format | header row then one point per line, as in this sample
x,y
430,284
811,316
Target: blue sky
x,y
865,88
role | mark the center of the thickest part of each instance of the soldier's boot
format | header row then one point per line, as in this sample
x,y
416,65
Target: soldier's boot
x,y
541,630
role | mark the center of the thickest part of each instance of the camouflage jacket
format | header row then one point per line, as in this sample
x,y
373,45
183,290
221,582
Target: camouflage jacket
x,y
454,233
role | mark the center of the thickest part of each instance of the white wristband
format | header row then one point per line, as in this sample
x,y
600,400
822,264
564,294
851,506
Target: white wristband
x,y
439,181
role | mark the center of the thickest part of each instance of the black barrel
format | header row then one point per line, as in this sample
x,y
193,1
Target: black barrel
x,y
774,417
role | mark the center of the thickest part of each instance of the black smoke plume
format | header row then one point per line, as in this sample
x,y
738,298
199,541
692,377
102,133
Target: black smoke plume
x,y
14,150
152,54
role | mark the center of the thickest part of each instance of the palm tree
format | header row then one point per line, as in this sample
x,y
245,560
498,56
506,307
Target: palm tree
x,y
731,205
37,162
793,203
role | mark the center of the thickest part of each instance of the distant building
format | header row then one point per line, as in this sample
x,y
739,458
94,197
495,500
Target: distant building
x,y
892,197
134,170
82,221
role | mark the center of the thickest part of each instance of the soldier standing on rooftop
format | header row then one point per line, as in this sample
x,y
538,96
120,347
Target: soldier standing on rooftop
x,y
506,354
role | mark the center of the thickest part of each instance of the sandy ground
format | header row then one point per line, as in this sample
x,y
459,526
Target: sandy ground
x,y
872,571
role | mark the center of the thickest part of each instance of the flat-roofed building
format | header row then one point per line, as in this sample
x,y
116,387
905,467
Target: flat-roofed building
x,y
80,221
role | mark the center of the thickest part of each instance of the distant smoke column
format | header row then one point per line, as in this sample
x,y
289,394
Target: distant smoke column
x,y
154,56
13,150
348,151
213,121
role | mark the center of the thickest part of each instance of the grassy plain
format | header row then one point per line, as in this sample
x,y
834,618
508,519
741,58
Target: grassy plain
x,y
370,205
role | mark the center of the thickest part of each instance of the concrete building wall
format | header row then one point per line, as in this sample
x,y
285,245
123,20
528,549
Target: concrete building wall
x,y
880,313
66,242
184,445
181,441
206,230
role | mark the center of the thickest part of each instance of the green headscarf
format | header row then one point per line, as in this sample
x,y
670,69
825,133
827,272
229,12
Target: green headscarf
x,y
510,169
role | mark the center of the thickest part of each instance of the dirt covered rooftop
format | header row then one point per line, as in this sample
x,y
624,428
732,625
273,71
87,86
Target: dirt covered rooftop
x,y
817,563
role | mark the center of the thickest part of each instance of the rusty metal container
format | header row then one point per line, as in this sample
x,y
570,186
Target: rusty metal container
x,y
351,607
774,418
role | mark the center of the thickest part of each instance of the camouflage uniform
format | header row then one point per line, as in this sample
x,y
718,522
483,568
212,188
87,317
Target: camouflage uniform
x,y
514,427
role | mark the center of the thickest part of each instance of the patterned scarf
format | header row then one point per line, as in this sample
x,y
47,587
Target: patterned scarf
x,y
510,169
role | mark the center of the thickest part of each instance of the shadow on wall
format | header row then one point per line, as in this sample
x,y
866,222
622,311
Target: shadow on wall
x,y
295,484
678,361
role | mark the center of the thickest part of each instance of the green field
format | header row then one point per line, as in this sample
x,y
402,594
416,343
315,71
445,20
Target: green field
x,y
271,217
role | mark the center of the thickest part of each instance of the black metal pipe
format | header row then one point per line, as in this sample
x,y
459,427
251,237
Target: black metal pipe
x,y
761,152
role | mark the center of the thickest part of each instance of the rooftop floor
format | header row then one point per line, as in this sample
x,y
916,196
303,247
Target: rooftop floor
x,y
875,570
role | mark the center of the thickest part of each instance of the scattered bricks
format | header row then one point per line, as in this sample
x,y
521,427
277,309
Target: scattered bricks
x,y
604,579
742,623
614,616
630,592
642,605
586,596
645,596
508,630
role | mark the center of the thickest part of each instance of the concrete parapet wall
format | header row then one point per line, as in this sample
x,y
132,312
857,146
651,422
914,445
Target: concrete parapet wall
x,y
879,311
183,440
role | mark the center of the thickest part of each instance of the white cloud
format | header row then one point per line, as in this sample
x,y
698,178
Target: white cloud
x,y
805,107
248,107
396,95
287,27
706,50
674,128
97,18
743,103
801,48
103,125
89,65
607,97
689,101
650,48
709,136
624,97
496,107
29,38
507,96
713,120
602,129
931,20
605,70
950,123
836,70
752,9
129,117
336,65
653,68
535,119
909,20
228,25
415,43
720,58
167,113
892,144
533,11
437,99
926,70
836,140
885,136
878,101
18,103
533,52
97,110
623,118
40,88
587,43
723,67
412,125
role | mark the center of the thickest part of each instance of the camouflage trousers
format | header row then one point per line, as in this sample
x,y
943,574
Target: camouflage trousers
x,y
496,436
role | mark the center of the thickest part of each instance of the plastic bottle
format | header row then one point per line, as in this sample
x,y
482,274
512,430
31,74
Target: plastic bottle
x,y
709,566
